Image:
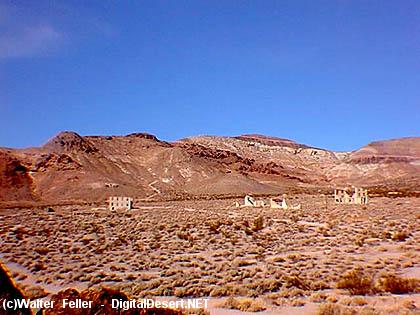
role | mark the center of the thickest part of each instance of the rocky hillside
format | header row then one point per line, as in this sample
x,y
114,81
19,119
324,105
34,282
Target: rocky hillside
x,y
73,168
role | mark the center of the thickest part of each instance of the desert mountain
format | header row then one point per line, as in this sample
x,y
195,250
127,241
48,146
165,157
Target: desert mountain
x,y
75,168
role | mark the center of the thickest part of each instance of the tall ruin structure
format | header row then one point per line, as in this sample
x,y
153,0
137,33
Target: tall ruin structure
x,y
358,197
120,203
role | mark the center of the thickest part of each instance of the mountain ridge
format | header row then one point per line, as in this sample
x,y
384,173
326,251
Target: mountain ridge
x,y
74,167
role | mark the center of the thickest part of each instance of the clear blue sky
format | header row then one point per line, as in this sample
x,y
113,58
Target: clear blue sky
x,y
333,74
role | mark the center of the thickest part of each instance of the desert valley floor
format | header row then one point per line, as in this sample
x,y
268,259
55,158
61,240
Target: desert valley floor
x,y
321,258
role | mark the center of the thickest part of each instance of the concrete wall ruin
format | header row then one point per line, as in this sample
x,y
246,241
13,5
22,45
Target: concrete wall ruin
x,y
259,203
359,196
120,203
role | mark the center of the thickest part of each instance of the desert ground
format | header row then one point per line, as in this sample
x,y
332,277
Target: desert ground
x,y
321,259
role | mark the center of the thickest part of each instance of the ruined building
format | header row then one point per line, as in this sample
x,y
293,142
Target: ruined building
x,y
120,203
251,202
359,196
284,204
259,203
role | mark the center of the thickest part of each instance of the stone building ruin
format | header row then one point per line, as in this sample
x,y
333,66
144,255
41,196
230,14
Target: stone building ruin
x,y
358,197
259,203
284,204
251,202
111,185
120,203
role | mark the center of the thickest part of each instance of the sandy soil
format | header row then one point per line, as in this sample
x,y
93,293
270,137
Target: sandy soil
x,y
286,261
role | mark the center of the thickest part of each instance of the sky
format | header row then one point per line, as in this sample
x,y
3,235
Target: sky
x,y
334,74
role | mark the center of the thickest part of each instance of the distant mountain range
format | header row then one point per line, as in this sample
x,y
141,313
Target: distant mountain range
x,y
73,168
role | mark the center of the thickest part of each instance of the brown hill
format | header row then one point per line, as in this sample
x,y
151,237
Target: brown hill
x,y
396,150
15,181
73,168
391,164
272,141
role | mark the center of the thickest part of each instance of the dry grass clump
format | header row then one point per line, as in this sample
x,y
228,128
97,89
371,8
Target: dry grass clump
x,y
258,224
297,282
297,302
357,282
319,285
244,304
394,284
335,309
42,250
188,291
399,236
38,266
318,297
219,291
238,262
291,293
214,226
359,301
185,236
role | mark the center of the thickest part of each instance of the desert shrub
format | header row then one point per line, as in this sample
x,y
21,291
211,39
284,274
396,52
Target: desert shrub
x,y
297,282
20,229
248,231
397,285
331,299
294,257
117,268
278,259
258,224
408,264
238,262
399,236
38,266
359,241
219,291
357,282
244,305
240,290
226,233
214,226
408,304
131,277
368,310
266,285
359,301
319,285
182,292
291,293
318,297
42,250
297,302
335,309
184,236
386,235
